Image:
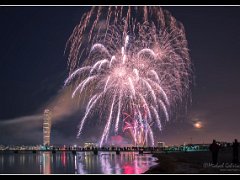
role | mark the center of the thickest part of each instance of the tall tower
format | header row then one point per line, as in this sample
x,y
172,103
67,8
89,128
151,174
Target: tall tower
x,y
47,116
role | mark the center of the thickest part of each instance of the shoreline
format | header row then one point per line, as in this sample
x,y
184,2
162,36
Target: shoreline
x,y
193,163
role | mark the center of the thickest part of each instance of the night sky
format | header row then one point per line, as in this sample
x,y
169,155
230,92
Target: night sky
x,y
33,68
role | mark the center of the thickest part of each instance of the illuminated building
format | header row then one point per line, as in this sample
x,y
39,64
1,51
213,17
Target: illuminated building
x,y
161,144
46,127
90,145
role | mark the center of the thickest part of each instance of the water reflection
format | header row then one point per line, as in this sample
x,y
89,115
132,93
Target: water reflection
x,y
68,163
105,163
110,163
45,164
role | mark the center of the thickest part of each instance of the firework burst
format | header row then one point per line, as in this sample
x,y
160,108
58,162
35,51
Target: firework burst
x,y
138,126
126,58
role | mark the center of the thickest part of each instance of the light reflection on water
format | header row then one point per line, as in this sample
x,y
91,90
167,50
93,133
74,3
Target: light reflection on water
x,y
82,163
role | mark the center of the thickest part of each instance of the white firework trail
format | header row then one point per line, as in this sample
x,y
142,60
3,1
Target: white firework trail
x,y
124,57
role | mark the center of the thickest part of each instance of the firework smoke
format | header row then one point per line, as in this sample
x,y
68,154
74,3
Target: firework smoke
x,y
124,58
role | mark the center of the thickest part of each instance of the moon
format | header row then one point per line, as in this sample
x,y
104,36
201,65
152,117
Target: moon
x,y
198,125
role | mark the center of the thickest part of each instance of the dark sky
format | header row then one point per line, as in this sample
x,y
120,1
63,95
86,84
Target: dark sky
x,y
33,68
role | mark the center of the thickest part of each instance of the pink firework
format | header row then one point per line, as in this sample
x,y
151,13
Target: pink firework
x,y
124,57
139,127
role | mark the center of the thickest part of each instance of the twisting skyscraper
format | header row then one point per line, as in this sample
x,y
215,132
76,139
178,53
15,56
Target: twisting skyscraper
x,y
46,127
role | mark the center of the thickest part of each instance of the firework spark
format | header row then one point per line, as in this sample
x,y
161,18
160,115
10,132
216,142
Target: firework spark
x,y
126,57
138,127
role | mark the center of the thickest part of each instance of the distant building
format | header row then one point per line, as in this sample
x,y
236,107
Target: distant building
x,y
47,117
90,145
161,144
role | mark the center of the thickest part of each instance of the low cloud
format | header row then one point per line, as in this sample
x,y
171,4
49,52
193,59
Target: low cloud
x,y
28,129
23,119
